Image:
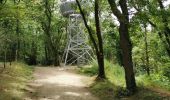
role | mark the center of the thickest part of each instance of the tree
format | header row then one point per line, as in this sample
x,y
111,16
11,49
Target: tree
x,y
46,26
157,18
53,26
98,44
146,50
3,1
125,42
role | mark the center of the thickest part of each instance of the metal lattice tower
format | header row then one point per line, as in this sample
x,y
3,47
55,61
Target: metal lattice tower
x,y
77,49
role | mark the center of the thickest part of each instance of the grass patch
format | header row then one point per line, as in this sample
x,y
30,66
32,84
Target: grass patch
x,y
13,80
106,90
114,73
154,80
103,89
114,87
89,70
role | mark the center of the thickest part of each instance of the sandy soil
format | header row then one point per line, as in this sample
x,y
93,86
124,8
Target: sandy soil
x,y
58,84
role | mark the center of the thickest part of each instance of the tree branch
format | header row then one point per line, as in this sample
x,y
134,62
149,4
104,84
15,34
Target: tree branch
x,y
87,26
116,11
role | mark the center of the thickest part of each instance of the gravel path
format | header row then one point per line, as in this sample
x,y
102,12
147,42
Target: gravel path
x,y
59,84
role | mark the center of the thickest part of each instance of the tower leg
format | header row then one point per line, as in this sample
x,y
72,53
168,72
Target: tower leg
x,y
66,56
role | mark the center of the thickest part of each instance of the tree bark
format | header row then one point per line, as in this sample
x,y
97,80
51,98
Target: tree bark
x,y
10,54
51,48
146,52
125,42
34,54
56,60
17,55
126,49
100,55
97,45
5,58
161,37
166,30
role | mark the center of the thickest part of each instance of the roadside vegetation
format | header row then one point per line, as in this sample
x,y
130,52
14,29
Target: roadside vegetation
x,y
13,80
133,35
153,87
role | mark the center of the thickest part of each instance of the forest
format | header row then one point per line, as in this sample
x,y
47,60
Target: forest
x,y
84,49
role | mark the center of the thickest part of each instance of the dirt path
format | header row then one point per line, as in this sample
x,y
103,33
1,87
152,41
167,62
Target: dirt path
x,y
58,84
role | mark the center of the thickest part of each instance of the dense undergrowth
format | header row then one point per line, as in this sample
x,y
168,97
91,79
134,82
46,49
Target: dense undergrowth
x,y
153,87
13,80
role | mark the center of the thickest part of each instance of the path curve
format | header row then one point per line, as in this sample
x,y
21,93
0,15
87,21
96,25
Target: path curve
x,y
53,83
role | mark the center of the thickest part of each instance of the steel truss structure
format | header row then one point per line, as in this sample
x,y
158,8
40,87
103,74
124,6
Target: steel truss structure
x,y
77,50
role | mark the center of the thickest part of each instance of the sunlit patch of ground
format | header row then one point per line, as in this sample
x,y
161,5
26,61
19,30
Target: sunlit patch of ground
x,y
59,84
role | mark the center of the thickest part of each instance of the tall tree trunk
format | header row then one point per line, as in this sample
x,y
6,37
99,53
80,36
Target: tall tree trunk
x,y
10,55
18,36
100,55
146,51
51,48
46,55
33,57
161,37
164,43
126,48
125,43
5,58
166,30
56,59
98,46
45,49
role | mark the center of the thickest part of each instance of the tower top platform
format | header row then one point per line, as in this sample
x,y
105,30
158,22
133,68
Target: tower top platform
x,y
68,7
